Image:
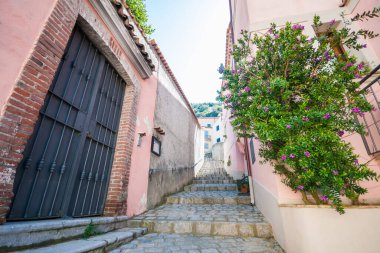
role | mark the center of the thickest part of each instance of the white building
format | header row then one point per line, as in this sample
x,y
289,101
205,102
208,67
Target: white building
x,y
212,131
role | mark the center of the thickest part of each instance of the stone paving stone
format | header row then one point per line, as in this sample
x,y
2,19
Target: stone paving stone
x,y
211,187
199,244
208,197
204,212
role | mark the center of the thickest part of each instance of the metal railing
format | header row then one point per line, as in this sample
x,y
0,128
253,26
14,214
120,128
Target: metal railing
x,y
371,120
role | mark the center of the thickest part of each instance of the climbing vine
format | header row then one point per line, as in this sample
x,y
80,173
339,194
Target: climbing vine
x,y
299,97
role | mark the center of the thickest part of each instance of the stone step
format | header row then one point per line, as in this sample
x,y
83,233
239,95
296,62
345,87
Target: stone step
x,y
211,187
213,178
164,242
208,197
27,234
100,243
203,181
217,219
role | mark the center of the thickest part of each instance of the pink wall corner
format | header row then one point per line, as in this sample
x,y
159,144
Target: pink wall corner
x,y
231,150
20,27
263,174
139,172
373,45
373,195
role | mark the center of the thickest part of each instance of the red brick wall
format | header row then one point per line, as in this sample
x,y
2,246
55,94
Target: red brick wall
x,y
22,109
116,203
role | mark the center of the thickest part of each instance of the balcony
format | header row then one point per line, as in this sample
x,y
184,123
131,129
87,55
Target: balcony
x,y
371,120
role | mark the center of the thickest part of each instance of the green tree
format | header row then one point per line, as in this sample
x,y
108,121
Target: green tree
x,y
298,97
138,9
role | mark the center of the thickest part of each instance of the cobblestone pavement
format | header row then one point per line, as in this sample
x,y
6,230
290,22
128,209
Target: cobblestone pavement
x,y
166,243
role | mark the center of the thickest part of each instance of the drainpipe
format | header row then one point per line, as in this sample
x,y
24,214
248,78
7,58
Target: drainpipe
x,y
249,168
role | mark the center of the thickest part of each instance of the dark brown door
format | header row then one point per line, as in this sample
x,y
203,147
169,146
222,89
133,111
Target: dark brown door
x,y
68,160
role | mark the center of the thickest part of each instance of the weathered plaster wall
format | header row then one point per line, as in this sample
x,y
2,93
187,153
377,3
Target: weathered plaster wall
x,y
174,168
218,151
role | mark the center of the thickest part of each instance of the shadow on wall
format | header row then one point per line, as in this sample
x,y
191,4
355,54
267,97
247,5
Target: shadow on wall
x,y
166,182
173,168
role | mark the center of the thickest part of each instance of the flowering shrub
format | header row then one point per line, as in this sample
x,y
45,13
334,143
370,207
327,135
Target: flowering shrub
x,y
298,97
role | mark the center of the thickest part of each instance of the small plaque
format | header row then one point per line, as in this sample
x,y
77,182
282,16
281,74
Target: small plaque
x,y
156,146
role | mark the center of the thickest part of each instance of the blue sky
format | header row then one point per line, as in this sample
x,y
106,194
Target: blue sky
x,y
192,35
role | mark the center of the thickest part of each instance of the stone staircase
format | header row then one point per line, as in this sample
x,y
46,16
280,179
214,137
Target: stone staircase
x,y
208,216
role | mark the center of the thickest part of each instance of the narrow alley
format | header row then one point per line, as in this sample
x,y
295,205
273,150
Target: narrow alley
x,y
197,126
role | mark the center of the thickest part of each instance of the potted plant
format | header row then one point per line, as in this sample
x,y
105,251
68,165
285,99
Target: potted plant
x,y
243,184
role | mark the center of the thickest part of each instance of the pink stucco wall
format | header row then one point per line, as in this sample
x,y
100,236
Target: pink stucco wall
x,y
231,150
139,173
373,45
18,38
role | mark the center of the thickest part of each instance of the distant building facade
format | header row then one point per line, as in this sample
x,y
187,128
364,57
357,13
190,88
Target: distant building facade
x,y
212,130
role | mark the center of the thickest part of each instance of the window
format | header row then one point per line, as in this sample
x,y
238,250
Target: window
x,y
218,140
217,128
252,153
206,145
208,125
206,134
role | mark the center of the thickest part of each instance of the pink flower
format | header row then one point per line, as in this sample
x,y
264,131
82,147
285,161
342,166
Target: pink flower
x,y
326,116
305,119
356,162
307,153
374,109
300,187
332,22
288,126
361,65
292,156
265,109
364,45
247,89
340,133
348,65
297,26
283,157
324,198
335,172
305,169
357,76
356,110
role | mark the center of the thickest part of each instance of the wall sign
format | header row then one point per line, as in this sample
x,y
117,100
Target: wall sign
x,y
156,146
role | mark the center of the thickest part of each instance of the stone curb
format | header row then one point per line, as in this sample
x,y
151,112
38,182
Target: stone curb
x,y
100,243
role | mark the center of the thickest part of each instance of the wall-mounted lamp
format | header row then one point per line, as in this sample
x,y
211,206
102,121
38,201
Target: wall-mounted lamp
x,y
140,138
